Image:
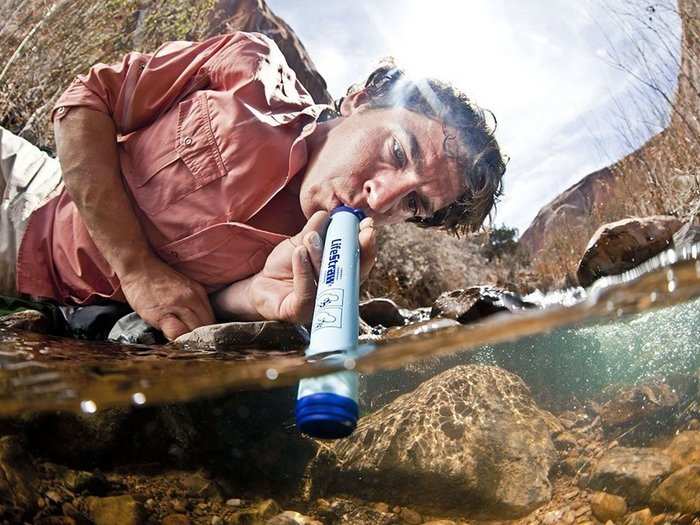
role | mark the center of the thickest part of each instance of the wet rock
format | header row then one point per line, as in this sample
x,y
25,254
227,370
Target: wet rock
x,y
55,520
439,522
381,311
680,491
642,517
273,335
686,236
620,246
30,320
471,304
176,519
115,510
17,475
565,441
473,431
608,506
267,508
684,449
422,327
630,472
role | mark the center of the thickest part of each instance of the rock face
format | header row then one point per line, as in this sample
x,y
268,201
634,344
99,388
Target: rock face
x,y
477,302
469,440
656,169
622,245
630,472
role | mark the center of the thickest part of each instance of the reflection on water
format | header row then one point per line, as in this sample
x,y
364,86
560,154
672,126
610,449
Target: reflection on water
x,y
43,373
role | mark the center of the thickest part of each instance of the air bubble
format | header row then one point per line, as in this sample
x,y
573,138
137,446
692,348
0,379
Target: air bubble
x,y
271,374
88,406
670,276
671,286
138,398
349,363
653,296
610,306
620,312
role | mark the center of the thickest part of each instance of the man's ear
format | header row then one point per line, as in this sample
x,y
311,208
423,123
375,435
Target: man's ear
x,y
351,103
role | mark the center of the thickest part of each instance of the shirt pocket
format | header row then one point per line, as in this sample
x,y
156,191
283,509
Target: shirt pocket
x,y
221,254
173,157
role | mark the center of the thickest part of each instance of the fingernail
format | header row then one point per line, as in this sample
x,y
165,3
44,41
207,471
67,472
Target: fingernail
x,y
315,240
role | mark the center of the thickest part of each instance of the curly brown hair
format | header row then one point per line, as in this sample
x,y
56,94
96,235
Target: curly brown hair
x,y
474,147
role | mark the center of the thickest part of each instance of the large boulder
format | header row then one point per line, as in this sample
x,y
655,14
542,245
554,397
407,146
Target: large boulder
x,y
622,245
680,491
468,441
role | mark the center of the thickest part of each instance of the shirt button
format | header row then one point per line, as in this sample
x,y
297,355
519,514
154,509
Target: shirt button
x,y
188,141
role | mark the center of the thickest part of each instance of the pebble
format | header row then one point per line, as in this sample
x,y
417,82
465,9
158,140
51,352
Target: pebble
x,y
410,516
233,502
176,519
216,520
178,505
607,506
381,507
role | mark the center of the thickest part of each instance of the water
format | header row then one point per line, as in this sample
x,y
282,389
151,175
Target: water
x,y
624,329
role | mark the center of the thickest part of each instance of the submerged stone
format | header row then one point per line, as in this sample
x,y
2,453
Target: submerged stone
x,y
608,506
115,510
469,440
680,491
17,476
630,472
684,449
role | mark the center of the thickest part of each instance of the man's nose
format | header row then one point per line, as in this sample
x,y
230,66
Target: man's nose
x,y
383,193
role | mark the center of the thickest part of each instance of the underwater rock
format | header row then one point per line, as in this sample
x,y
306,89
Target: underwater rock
x,y
176,519
475,303
470,440
680,491
115,510
630,472
273,335
684,449
641,517
17,476
381,311
608,506
290,517
30,320
620,246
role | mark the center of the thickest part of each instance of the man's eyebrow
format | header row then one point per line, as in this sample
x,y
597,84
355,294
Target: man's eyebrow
x,y
414,149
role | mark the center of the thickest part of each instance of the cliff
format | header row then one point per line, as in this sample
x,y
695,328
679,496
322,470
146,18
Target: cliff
x,y
659,178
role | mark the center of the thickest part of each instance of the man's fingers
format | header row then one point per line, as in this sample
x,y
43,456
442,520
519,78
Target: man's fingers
x,y
318,223
304,285
204,310
172,327
314,246
368,248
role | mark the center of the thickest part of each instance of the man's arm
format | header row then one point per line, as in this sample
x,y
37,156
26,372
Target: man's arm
x,y
87,151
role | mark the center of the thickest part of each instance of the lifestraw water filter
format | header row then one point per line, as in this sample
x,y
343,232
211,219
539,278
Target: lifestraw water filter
x,y
327,405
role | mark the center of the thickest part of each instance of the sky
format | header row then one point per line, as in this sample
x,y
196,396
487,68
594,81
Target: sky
x,y
567,80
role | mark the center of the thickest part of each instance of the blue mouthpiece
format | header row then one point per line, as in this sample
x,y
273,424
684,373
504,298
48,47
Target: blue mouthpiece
x,y
355,211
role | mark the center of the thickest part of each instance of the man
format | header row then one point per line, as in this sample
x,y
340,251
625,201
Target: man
x,y
197,180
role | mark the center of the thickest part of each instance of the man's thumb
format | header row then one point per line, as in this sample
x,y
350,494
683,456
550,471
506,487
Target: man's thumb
x,y
172,327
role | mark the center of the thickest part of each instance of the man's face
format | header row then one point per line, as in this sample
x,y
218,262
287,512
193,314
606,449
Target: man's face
x,y
389,162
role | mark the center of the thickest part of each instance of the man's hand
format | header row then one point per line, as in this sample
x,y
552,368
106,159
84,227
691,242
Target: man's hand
x,y
166,299
285,289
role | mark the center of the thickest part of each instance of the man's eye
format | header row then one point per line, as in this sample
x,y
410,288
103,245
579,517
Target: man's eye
x,y
398,152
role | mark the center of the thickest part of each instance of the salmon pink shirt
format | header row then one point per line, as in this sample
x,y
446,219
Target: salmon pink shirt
x,y
210,137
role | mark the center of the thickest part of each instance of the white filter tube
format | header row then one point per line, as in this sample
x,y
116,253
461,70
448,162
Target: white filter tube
x,y
327,405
